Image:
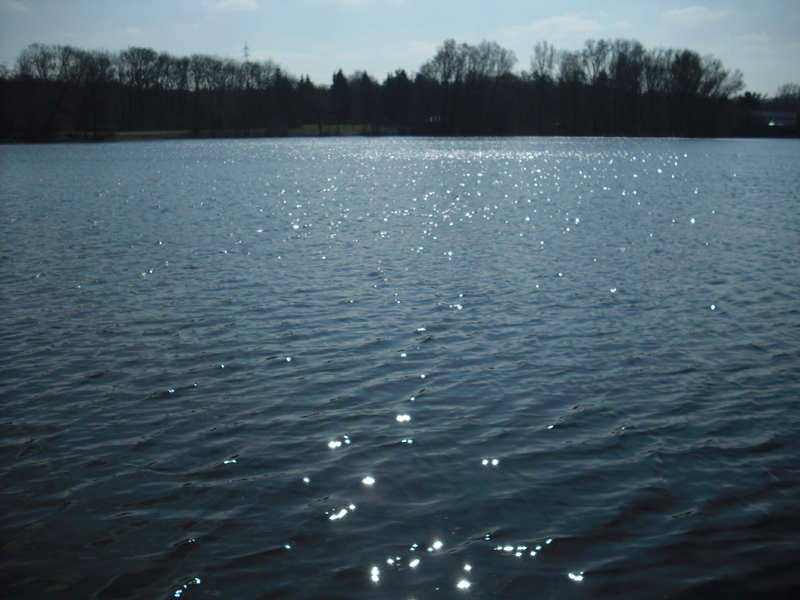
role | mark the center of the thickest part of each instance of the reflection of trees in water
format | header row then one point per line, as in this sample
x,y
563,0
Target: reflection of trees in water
x,y
607,88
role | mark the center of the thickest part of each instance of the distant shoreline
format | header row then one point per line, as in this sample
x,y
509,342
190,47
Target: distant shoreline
x,y
177,134
611,88
307,131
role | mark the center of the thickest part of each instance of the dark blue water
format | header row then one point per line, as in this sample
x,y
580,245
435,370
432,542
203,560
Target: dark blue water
x,y
400,368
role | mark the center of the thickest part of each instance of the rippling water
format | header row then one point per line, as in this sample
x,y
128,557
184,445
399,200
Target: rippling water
x,y
400,368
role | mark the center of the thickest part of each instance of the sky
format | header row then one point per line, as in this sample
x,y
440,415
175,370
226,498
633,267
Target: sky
x,y
318,37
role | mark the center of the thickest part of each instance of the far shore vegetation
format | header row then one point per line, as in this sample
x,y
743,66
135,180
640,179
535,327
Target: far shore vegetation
x,y
175,134
609,88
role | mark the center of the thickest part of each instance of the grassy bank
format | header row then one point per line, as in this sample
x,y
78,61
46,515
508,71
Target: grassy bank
x,y
150,135
304,131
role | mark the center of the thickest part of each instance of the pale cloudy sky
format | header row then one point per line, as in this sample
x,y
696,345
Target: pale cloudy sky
x,y
318,37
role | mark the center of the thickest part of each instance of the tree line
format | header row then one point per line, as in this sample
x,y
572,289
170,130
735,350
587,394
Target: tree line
x,y
609,88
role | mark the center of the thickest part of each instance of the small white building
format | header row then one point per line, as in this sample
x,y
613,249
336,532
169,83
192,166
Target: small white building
x,y
776,118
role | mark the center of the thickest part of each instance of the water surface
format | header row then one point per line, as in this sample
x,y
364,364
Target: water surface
x,y
400,368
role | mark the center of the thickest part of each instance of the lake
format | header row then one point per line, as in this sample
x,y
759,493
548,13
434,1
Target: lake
x,y
400,368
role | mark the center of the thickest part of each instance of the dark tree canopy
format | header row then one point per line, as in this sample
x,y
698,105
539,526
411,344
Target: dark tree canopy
x,y
609,87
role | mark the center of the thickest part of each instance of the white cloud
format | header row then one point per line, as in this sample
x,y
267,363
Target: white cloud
x,y
352,56
753,37
572,23
760,50
231,4
693,16
418,49
134,31
292,57
15,5
359,1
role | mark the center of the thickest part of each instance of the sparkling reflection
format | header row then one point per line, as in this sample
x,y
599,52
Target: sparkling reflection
x,y
339,515
350,358
178,593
